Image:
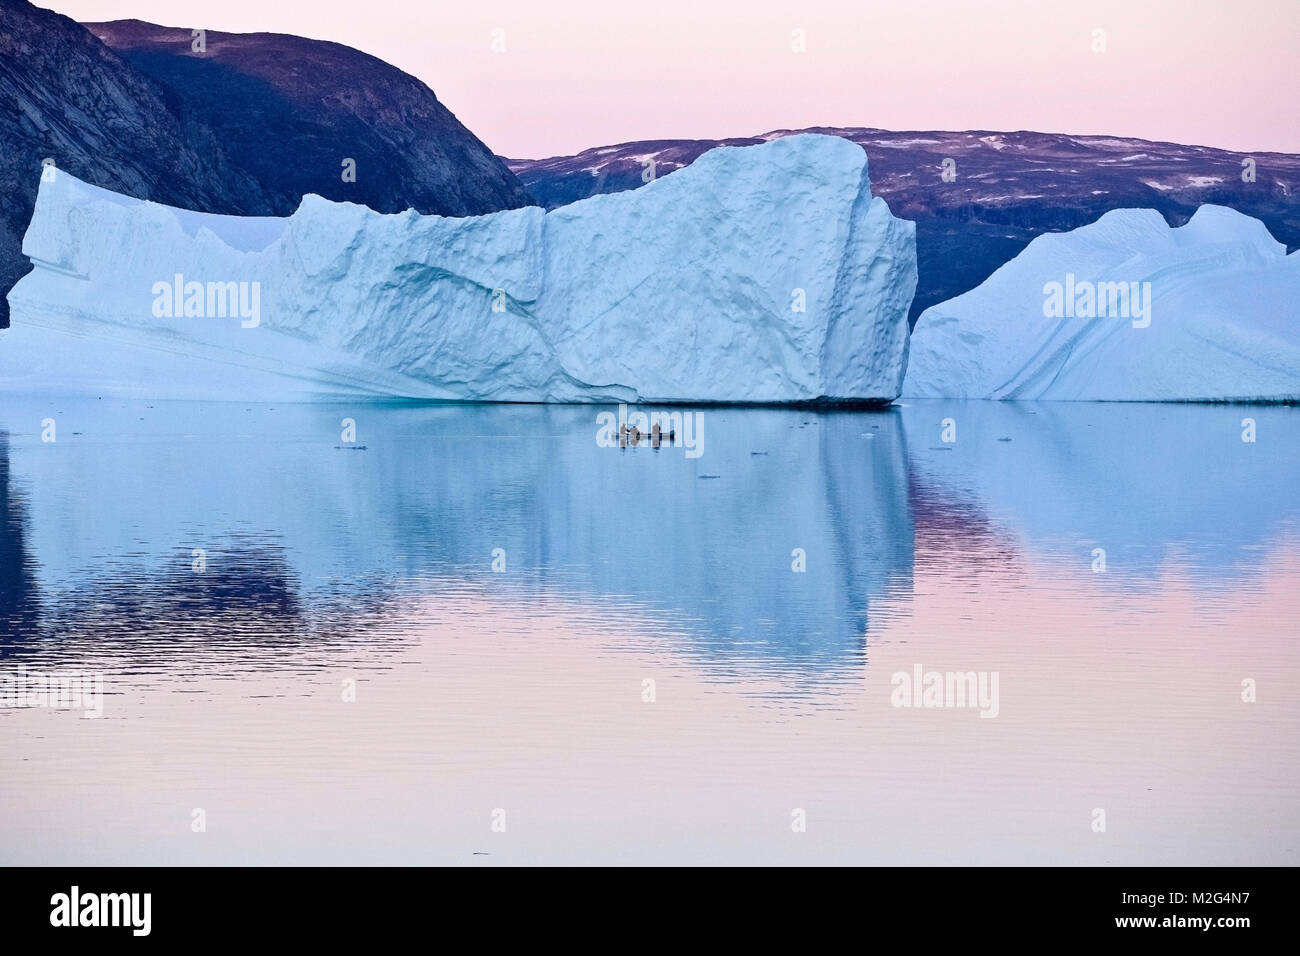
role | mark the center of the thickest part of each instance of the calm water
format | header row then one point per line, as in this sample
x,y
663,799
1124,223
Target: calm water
x,y
645,677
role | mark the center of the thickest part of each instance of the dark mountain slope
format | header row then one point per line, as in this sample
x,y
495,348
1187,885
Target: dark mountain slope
x,y
67,97
290,110
245,128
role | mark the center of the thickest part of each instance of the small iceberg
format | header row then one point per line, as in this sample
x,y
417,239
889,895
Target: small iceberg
x,y
1124,309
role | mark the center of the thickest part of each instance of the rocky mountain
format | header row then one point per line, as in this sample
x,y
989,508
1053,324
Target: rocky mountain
x,y
65,96
290,110
246,127
1005,188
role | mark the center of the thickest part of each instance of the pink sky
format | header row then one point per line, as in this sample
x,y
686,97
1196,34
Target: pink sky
x,y
578,73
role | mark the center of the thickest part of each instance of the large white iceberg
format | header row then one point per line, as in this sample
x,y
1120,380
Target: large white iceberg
x,y
759,274
1124,309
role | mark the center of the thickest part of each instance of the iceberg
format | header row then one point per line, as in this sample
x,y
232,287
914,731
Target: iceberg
x,y
1124,309
764,274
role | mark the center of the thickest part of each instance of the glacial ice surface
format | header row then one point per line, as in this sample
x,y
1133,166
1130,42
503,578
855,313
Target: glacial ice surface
x,y
1224,318
683,290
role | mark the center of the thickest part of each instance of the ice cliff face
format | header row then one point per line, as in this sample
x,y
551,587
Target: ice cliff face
x,y
1125,309
760,274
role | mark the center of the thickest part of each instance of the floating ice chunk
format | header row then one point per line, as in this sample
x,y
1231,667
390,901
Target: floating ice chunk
x,y
1124,309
